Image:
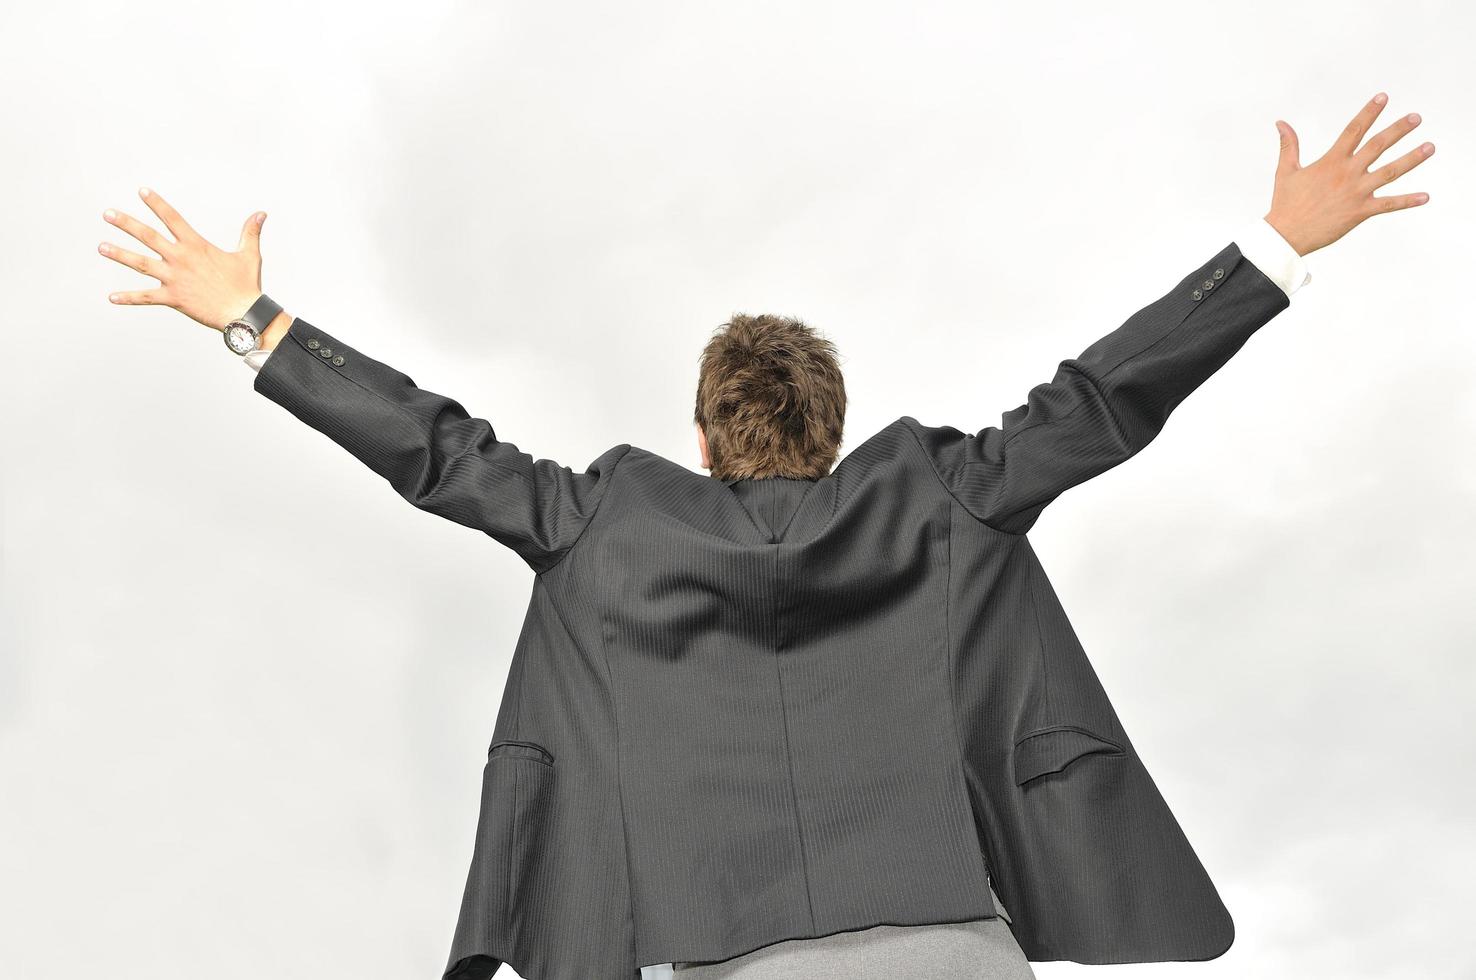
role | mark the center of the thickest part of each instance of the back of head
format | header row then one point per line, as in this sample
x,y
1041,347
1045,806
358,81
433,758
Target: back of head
x,y
771,399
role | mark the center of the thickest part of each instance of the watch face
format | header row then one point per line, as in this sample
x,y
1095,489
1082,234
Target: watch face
x,y
240,338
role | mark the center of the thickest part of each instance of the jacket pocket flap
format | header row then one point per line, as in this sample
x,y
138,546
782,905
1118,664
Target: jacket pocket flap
x,y
1053,749
519,749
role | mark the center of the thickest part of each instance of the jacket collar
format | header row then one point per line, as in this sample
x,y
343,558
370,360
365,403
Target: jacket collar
x,y
771,501
760,479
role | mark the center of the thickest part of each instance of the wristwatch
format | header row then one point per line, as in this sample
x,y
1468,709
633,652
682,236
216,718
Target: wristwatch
x,y
243,334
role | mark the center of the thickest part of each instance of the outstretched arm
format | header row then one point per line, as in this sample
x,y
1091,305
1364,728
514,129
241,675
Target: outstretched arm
x,y
425,445
1106,404
435,455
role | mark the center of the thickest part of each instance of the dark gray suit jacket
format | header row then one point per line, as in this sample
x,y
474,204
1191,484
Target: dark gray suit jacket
x,y
748,711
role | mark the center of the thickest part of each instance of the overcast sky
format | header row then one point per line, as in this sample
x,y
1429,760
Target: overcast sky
x,y
246,690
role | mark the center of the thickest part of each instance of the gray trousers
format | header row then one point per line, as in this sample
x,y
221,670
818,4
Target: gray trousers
x,y
983,949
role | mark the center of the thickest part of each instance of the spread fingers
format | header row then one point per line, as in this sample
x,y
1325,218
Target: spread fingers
x,y
177,225
1402,165
1352,133
144,233
134,261
1386,138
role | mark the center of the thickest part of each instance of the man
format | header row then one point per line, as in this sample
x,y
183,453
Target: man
x,y
789,720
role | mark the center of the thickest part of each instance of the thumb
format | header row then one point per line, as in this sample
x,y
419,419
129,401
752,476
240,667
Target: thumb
x,y
251,234
1290,156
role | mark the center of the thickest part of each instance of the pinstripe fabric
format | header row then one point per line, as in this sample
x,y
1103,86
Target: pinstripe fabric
x,y
742,714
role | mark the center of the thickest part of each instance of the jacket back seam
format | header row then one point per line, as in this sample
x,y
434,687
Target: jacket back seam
x,y
619,777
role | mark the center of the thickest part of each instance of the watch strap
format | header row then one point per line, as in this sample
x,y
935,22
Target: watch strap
x,y
261,313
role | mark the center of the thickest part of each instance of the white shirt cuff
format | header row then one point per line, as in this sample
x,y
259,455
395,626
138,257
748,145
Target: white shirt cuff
x,y
1273,255
255,359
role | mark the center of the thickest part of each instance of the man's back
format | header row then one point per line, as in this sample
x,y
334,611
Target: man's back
x,y
778,659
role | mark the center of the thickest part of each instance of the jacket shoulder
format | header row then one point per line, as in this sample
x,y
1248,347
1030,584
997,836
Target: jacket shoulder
x,y
892,445
642,463
943,452
910,444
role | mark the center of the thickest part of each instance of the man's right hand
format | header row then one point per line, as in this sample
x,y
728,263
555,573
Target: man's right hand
x,y
1315,205
207,284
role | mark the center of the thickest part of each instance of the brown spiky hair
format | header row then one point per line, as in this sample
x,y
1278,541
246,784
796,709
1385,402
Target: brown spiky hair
x,y
771,399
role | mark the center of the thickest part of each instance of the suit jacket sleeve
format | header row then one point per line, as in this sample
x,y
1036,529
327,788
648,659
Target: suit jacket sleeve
x,y
1106,404
430,450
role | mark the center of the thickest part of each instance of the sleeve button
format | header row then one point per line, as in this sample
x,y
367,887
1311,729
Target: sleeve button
x,y
338,360
313,344
1209,284
326,352
1219,273
1196,294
